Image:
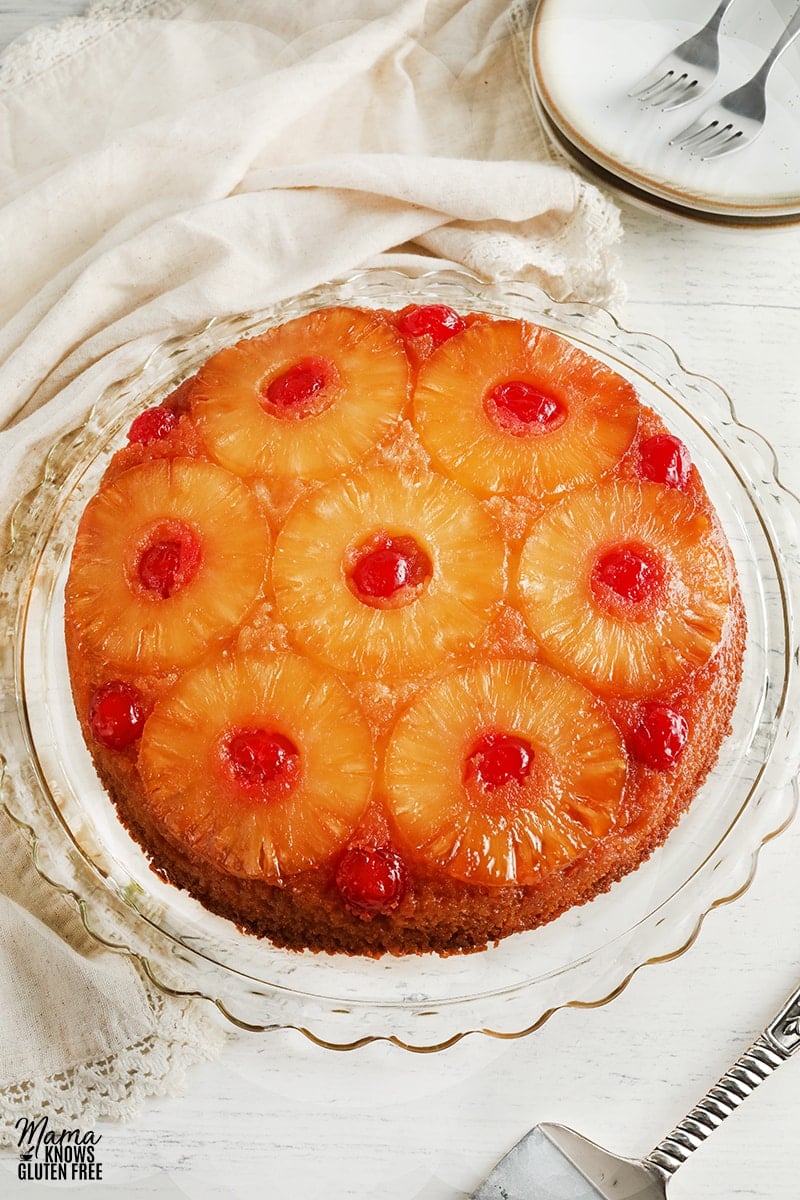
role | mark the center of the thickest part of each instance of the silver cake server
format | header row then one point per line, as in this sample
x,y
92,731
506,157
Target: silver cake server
x,y
552,1162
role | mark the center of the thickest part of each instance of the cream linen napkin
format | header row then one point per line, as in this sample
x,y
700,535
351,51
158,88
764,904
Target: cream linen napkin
x,y
162,163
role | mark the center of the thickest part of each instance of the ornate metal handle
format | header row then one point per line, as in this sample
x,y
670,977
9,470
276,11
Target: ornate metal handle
x,y
778,1042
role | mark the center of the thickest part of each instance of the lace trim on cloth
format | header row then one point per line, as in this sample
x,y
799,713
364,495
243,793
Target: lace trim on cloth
x,y
178,1033
117,1085
42,47
571,261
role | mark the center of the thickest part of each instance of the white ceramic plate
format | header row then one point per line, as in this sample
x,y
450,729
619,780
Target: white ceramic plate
x,y
586,57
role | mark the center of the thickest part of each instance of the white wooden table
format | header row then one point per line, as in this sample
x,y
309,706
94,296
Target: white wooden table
x,y
277,1117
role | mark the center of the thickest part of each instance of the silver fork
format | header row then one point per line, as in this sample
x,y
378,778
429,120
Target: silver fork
x,y
735,120
687,71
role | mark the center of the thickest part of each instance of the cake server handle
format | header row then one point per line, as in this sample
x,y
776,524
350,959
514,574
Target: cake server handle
x,y
779,1041
552,1162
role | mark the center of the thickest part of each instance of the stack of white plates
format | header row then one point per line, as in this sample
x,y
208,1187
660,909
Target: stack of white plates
x,y
587,55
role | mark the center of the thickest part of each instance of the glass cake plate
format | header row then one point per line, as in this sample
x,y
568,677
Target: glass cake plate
x,y
423,1002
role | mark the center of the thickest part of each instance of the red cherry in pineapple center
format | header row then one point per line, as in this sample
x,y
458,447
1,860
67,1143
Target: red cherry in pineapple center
x,y
305,389
159,566
389,570
520,408
499,758
633,573
116,715
371,881
169,560
262,762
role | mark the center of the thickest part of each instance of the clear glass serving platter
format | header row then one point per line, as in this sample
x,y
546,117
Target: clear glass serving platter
x,y
420,1002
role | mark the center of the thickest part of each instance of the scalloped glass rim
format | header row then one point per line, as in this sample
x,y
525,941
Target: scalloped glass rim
x,y
422,1003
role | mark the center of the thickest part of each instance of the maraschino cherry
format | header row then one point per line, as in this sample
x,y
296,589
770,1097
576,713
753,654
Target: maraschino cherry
x,y
262,761
520,408
664,459
630,572
302,390
371,881
152,425
116,715
499,758
167,564
387,568
660,736
436,321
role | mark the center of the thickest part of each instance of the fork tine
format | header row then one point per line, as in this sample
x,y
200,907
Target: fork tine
x,y
688,93
701,144
657,97
700,131
705,146
733,142
690,132
650,83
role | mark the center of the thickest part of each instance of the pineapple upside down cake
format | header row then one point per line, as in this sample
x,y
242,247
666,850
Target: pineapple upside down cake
x,y
401,631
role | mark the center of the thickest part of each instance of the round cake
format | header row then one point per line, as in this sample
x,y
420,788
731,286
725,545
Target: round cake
x,y
401,631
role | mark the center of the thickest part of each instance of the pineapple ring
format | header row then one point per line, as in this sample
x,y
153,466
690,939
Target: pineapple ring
x,y
133,628
635,653
517,833
449,614
366,393
192,797
597,422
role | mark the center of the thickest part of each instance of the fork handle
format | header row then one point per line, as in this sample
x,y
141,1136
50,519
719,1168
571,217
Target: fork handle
x,y
778,1042
715,20
784,41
